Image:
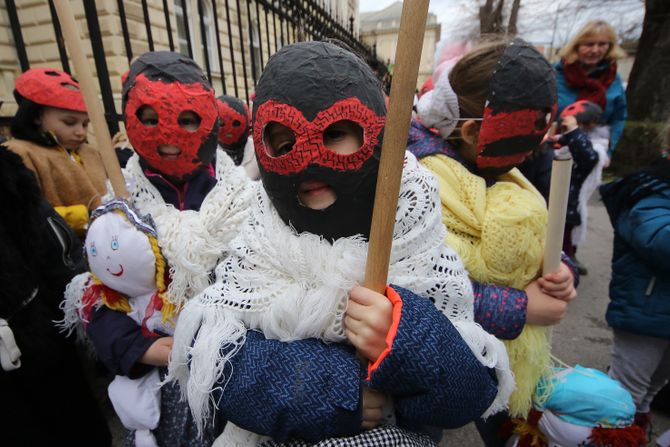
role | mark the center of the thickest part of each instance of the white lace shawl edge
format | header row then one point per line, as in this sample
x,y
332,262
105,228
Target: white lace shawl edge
x,y
193,241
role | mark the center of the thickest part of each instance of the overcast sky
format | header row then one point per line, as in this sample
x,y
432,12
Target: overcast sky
x,y
536,17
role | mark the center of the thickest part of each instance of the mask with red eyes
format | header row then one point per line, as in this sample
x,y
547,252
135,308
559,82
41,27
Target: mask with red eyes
x,y
49,87
309,88
520,108
234,128
172,85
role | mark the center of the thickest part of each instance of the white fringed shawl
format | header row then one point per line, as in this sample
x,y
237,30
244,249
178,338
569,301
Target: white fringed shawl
x,y
192,242
293,287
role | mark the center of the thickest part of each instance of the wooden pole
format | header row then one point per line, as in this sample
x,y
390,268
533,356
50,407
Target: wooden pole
x,y
561,171
403,86
87,83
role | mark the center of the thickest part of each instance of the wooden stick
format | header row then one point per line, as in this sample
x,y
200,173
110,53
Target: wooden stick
x,y
87,83
561,171
403,86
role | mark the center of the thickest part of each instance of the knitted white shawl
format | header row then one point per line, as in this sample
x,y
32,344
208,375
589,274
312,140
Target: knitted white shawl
x,y
192,242
293,287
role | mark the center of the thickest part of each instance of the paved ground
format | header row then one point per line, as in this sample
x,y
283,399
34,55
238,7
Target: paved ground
x,y
583,336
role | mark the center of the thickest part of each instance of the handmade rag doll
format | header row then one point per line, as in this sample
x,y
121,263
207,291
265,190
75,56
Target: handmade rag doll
x,y
129,275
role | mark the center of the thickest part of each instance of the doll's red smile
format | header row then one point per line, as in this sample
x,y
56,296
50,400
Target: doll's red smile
x,y
119,273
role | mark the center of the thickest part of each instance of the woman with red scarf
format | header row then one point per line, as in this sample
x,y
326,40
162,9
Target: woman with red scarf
x,y
587,70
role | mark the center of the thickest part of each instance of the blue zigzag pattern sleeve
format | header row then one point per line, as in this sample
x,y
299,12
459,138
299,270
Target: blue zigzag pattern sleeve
x,y
304,389
431,373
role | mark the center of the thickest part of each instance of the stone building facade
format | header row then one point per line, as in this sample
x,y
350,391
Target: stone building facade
x,y
380,29
249,32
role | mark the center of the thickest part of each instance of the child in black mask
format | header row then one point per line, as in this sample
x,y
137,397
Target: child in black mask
x,y
292,277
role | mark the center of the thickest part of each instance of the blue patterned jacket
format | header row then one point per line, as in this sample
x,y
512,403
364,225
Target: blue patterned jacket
x,y
311,390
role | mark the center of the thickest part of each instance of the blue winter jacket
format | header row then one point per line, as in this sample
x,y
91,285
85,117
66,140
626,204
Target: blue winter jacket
x,y
615,112
311,390
640,285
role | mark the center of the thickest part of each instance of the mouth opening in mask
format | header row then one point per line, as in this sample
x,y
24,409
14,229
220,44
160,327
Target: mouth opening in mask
x,y
168,152
316,194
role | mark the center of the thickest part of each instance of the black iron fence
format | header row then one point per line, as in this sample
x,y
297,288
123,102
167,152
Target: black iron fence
x,y
283,22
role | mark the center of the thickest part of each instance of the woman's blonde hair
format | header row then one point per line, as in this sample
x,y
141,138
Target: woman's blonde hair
x,y
569,51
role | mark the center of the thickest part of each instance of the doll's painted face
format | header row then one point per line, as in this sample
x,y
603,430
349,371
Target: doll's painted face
x,y
120,255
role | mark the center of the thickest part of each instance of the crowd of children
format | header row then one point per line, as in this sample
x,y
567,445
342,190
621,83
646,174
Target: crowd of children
x,y
224,294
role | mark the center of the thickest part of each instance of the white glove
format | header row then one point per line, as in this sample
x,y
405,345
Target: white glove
x,y
10,354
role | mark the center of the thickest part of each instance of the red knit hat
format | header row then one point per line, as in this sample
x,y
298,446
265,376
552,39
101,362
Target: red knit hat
x,y
49,87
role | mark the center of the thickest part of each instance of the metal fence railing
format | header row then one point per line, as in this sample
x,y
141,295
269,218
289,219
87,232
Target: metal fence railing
x,y
254,29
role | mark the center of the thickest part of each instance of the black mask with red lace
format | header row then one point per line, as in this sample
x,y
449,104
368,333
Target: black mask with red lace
x,y
308,87
521,106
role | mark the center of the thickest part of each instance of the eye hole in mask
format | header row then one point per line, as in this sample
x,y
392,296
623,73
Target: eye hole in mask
x,y
278,139
189,120
343,137
147,116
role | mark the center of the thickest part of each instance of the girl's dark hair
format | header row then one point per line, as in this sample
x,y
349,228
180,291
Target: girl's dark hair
x,y
23,124
471,77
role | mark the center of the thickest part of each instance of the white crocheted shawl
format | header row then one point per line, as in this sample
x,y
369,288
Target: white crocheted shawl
x,y
293,287
192,242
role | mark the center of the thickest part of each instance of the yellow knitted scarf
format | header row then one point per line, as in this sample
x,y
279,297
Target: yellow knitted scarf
x,y
499,233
